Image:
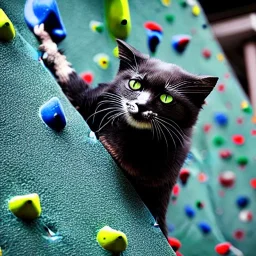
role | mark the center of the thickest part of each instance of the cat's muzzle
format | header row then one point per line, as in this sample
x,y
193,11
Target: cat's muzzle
x,y
132,107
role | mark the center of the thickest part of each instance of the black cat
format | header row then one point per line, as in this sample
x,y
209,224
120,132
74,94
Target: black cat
x,y
144,117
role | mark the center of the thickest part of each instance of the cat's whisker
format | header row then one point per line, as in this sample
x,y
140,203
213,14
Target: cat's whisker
x,y
117,115
162,132
105,109
153,128
175,86
112,95
168,130
180,137
107,115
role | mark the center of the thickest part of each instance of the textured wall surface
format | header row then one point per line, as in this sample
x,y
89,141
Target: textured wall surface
x,y
80,187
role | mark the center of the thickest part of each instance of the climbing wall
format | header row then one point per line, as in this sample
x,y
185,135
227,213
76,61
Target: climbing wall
x,y
81,189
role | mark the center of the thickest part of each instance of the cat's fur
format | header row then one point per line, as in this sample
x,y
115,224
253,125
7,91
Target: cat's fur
x,y
148,139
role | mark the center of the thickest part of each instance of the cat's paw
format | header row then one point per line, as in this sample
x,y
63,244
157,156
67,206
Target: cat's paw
x,y
39,31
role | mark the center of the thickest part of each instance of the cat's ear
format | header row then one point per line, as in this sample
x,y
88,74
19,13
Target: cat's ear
x,y
129,56
201,89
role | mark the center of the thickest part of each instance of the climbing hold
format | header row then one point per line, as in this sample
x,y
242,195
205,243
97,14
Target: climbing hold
x,y
245,216
175,191
227,179
245,106
254,119
238,139
174,243
221,119
196,10
53,115
170,18
184,175
180,42
116,52
37,12
154,39
112,240
239,120
220,57
151,25
179,254
204,26
102,60
87,77
7,31
207,128
253,183
183,3
204,227
190,212
26,207
118,18
96,26
242,201
242,160
1,253
239,234
223,248
202,177
218,140
225,154
199,205
166,2
253,132
171,227
206,53
221,87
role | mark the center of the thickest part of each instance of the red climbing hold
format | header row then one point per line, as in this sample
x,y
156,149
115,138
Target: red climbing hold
x,y
207,128
225,154
179,254
221,87
239,234
87,77
238,139
202,177
223,248
184,175
227,179
253,183
239,120
253,132
176,190
151,25
174,243
206,53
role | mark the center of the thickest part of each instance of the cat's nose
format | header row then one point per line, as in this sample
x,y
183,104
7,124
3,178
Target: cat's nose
x,y
132,107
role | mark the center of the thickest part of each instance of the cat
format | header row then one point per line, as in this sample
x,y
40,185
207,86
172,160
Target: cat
x,y
144,117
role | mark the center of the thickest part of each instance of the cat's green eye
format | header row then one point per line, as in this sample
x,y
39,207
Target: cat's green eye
x,y
135,85
166,98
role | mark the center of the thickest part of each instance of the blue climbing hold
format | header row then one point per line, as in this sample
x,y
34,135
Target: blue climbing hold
x,y
180,42
53,115
190,212
204,227
171,227
242,201
47,12
221,119
154,39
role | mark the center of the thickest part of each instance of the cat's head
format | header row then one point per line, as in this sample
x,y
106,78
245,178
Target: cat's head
x,y
153,92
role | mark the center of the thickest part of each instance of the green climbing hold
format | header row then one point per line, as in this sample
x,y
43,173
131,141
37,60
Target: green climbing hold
x,y
242,160
183,3
170,18
218,140
112,240
245,106
26,207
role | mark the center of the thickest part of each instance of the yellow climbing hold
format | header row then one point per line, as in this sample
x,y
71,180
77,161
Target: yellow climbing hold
x,y
116,52
26,207
7,31
112,240
166,2
196,10
102,60
1,252
220,57
117,15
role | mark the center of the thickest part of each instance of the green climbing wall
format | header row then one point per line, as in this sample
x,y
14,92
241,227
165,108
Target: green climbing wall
x,y
80,187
